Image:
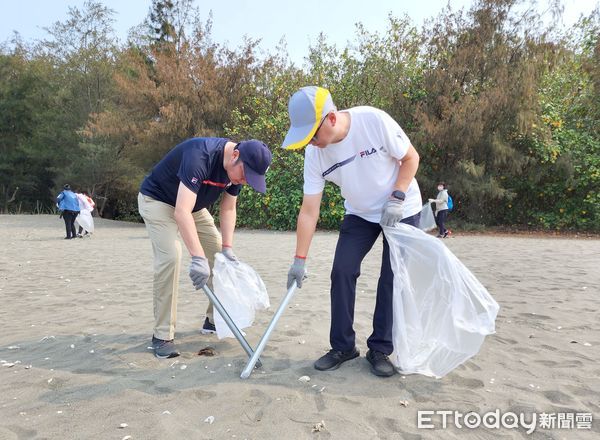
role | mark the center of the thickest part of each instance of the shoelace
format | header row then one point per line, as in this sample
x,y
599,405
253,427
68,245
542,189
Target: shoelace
x,y
377,355
336,353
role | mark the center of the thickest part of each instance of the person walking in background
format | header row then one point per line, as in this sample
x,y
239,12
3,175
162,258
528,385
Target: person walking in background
x,y
174,198
441,209
85,219
368,155
68,204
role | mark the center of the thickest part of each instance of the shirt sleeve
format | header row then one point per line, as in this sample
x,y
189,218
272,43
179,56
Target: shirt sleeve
x,y
394,139
194,169
234,190
314,182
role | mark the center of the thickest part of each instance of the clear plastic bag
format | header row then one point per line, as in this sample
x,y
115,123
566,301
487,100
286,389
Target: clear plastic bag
x,y
442,313
85,220
427,219
240,290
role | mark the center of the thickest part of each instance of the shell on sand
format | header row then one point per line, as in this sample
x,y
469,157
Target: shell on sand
x,y
318,427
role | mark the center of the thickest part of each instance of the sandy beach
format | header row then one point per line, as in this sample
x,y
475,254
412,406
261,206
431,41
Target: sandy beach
x,y
78,321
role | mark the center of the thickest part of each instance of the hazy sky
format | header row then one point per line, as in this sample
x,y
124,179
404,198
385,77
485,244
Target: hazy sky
x,y
298,21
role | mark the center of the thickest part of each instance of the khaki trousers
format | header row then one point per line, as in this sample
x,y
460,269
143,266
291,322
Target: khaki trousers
x,y
164,235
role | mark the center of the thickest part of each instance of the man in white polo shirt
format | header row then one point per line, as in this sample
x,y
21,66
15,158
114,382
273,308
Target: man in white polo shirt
x,y
366,153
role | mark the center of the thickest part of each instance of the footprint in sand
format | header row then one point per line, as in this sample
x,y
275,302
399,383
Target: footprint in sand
x,y
472,366
505,340
467,382
558,397
280,364
16,432
391,425
546,363
257,403
535,316
307,370
164,390
202,395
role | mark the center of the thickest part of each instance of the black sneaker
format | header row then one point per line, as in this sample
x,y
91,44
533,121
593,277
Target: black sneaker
x,y
208,327
334,358
164,349
380,364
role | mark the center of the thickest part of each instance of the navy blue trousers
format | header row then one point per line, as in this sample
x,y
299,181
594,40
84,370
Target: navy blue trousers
x,y
356,239
440,219
69,218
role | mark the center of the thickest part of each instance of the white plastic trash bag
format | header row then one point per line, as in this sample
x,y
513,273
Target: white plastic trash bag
x,y
85,220
442,313
427,219
240,290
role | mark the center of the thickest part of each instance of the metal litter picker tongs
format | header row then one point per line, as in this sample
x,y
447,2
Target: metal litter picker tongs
x,y
254,355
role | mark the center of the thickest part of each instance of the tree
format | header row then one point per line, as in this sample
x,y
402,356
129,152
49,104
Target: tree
x,y
480,101
169,91
27,122
82,49
559,186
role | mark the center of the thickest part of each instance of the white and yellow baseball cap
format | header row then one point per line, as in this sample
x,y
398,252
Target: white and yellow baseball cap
x,y
307,108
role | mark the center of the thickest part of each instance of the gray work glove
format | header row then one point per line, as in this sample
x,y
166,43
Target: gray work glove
x,y
297,272
392,212
228,252
199,272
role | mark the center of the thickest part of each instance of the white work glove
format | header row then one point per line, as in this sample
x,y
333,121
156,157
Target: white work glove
x,y
392,212
199,272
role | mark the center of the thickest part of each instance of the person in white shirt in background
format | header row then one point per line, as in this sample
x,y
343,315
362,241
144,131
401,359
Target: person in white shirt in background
x,y
368,155
85,219
441,209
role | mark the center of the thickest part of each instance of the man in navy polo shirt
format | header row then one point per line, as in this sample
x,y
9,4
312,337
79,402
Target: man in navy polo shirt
x,y
174,198
368,155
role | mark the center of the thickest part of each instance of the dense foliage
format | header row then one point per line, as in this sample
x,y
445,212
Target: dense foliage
x,y
502,105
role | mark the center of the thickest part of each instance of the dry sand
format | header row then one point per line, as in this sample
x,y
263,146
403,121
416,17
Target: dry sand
x,y
77,320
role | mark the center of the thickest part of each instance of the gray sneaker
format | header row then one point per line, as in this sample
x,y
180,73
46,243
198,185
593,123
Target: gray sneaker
x,y
164,349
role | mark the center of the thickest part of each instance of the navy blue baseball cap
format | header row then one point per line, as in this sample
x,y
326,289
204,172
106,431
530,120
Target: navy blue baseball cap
x,y
256,157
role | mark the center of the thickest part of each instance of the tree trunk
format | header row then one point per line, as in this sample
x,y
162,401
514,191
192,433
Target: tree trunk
x,y
8,200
